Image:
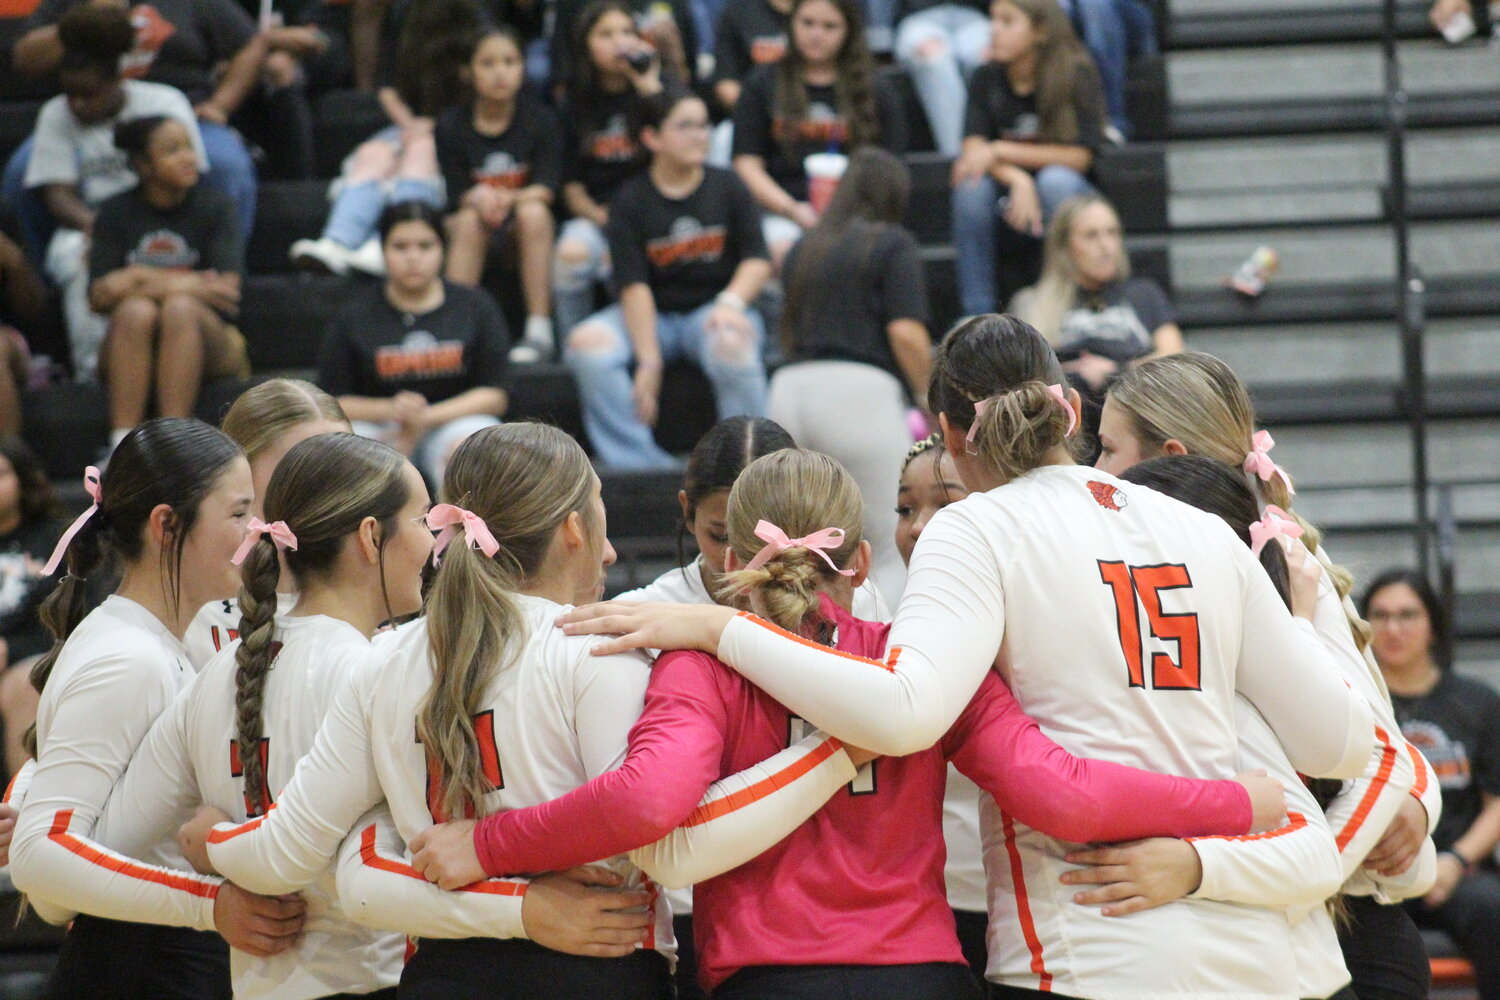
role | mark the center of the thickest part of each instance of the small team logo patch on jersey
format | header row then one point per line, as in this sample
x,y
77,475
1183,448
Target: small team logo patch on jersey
x,y
1107,496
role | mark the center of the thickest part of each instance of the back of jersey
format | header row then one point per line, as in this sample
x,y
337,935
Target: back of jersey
x,y
555,717
1123,622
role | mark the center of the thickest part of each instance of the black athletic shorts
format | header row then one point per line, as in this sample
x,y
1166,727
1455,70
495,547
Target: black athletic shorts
x,y
921,981
510,969
113,960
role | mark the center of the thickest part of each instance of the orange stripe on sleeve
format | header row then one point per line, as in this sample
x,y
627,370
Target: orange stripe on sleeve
x,y
1417,763
889,664
1295,822
1023,906
59,835
371,858
1377,786
217,836
749,796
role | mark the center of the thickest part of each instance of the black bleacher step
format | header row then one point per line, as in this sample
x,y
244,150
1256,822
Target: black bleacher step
x,y
1236,29
1284,302
641,505
1452,200
1204,121
284,316
285,212
1374,400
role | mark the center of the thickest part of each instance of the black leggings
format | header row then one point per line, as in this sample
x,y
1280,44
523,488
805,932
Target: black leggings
x,y
491,969
1384,952
922,981
112,960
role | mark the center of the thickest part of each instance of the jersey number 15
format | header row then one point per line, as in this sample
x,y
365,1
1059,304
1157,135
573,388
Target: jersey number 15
x,y
1138,587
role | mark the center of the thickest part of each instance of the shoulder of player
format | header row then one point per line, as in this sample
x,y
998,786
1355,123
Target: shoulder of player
x,y
678,669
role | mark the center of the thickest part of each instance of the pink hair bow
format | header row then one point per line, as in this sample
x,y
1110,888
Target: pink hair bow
x,y
91,485
1276,523
279,532
448,519
777,542
1056,391
1258,461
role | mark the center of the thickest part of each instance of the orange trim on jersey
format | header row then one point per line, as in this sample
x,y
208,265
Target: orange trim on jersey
x,y
749,796
59,835
890,659
1418,762
1295,822
1377,786
1023,906
217,836
10,787
371,858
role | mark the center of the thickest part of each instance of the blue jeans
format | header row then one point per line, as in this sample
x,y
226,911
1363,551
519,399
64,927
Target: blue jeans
x,y
880,23
599,355
706,15
975,216
1113,30
964,35
230,170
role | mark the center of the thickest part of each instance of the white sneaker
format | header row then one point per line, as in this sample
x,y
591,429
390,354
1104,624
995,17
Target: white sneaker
x,y
369,258
321,254
537,345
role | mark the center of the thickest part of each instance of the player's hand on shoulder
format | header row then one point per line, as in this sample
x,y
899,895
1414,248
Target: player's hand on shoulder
x,y
583,911
1135,876
445,854
1305,573
192,837
258,925
1267,799
649,625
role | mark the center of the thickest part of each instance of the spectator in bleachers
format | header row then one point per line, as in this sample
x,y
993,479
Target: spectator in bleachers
x,y
1455,722
22,302
183,44
665,26
1094,314
74,165
864,350
398,163
1114,31
501,157
750,33
1035,119
941,43
599,151
165,262
417,361
822,97
688,261
31,521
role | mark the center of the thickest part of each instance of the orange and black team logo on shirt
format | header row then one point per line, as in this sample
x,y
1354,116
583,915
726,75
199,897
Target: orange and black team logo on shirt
x,y
689,242
1107,496
767,49
822,125
612,143
420,355
1447,756
500,170
163,248
151,33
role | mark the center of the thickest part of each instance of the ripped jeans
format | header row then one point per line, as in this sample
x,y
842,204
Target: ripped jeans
x,y
599,355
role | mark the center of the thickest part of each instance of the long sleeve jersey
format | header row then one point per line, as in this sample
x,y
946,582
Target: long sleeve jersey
x,y
217,624
118,672
191,758
1125,623
862,882
554,717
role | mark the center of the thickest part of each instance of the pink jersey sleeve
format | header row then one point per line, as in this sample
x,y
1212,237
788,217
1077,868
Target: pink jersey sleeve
x,y
675,753
1073,798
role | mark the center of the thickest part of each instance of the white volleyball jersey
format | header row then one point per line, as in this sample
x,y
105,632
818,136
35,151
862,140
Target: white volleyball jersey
x,y
684,585
963,875
191,757
1125,623
555,717
118,672
217,624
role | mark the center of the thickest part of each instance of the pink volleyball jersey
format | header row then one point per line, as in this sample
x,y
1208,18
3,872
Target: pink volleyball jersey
x,y
861,881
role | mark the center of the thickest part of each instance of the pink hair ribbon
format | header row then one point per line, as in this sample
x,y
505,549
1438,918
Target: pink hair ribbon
x,y
1276,523
1057,392
279,532
91,485
448,519
777,542
1258,460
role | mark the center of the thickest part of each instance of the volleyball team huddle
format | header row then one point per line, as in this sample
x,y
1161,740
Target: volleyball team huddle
x,y
383,746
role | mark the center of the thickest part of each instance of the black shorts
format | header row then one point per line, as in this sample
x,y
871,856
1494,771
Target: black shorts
x,y
921,981
389,993
973,931
686,975
112,960
508,969
1384,952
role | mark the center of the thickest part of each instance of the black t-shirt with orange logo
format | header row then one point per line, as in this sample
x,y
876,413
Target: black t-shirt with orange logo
x,y
760,131
200,234
1456,725
686,249
750,33
178,42
598,150
374,349
528,152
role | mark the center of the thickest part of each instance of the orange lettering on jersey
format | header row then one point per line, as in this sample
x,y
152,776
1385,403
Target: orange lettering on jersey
x,y
151,33
440,359
489,759
822,132
237,770
1107,496
767,50
613,147
510,180
220,638
704,245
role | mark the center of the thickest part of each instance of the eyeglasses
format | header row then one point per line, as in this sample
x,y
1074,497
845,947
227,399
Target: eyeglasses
x,y
1407,617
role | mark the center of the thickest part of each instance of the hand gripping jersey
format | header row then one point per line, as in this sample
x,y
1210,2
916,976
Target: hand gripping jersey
x,y
119,670
1125,623
191,758
555,717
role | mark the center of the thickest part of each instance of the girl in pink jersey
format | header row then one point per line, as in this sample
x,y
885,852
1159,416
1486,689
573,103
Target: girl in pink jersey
x,y
853,900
